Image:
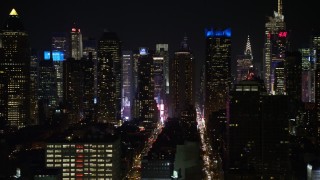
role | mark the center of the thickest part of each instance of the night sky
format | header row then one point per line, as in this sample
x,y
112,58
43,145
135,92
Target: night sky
x,y
145,23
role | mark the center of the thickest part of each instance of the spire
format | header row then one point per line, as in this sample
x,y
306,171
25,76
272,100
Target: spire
x,y
13,12
184,44
248,50
280,7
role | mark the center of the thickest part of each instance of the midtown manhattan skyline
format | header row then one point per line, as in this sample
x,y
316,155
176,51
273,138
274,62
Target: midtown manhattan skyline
x,y
145,23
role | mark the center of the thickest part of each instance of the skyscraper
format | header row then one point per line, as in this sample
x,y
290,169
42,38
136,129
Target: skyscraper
x,y
15,64
109,62
145,106
274,47
127,84
182,79
217,69
162,50
109,78
244,62
76,43
60,43
258,136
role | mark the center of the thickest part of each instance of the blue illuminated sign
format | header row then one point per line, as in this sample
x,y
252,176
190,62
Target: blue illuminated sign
x,y
217,33
57,56
46,55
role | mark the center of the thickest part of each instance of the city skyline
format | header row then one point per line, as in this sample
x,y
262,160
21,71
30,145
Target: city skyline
x,y
143,24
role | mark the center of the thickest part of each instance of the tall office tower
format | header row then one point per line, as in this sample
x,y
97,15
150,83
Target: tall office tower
x,y
145,106
60,43
181,79
262,153
3,95
136,55
76,43
162,50
106,78
73,86
307,74
109,62
93,154
244,62
15,63
159,84
87,67
47,94
315,56
217,70
274,47
34,86
127,84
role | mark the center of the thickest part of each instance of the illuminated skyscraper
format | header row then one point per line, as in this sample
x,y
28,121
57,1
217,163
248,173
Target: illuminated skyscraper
x,y
34,85
109,97
307,75
76,43
47,94
163,51
217,70
60,43
145,105
109,49
3,95
127,84
274,47
15,63
182,76
244,62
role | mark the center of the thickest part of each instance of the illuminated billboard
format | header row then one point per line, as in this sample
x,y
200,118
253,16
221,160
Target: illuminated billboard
x,y
58,56
47,55
55,55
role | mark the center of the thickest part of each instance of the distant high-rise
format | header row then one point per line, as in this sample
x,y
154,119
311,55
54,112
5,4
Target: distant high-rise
x,y
244,62
109,78
47,94
3,95
15,63
109,49
217,70
307,82
275,45
34,86
76,43
60,43
127,84
182,79
145,105
163,51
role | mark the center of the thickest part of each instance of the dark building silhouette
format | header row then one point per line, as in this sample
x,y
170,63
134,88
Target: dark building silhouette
x,y
258,133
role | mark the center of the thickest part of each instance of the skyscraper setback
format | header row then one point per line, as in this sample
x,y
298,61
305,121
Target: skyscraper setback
x,y
15,64
217,69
